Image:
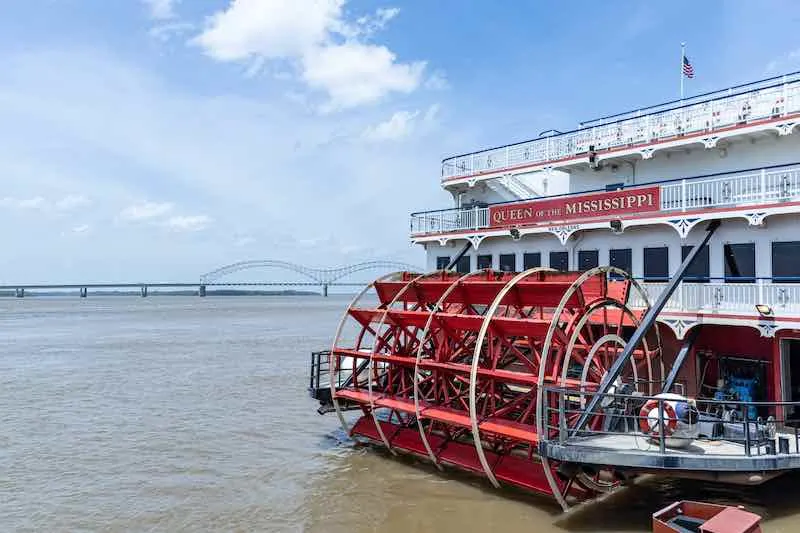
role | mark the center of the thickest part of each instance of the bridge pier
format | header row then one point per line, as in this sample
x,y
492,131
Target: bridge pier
x,y
20,292
144,291
84,292
325,290
202,291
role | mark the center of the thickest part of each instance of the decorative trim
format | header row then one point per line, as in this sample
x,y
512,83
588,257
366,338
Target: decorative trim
x,y
767,329
710,142
564,232
476,240
443,240
756,219
785,129
679,325
647,153
683,225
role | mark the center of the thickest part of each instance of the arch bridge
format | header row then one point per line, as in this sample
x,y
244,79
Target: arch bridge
x,y
324,277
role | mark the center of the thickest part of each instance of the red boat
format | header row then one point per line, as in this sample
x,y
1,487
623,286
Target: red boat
x,y
702,517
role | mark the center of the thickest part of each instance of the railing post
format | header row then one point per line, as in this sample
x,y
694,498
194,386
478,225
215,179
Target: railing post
x,y
662,446
508,157
763,185
683,195
475,214
746,432
760,283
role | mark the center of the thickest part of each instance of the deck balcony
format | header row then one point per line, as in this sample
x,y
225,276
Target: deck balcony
x,y
773,100
765,187
727,298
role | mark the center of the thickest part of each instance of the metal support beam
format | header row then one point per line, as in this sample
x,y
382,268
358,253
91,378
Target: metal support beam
x,y
688,343
202,291
325,290
458,256
644,326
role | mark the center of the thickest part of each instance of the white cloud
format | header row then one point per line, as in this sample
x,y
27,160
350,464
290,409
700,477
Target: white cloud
x,y
397,127
328,51
269,28
82,228
188,223
145,211
36,202
72,201
243,241
354,74
786,62
161,9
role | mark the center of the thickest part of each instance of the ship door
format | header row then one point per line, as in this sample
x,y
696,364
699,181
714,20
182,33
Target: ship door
x,y
790,375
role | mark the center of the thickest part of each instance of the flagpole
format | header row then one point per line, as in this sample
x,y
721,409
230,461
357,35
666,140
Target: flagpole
x,y
683,54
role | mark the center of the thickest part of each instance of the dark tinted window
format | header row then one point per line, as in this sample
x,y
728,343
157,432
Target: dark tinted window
x,y
786,261
621,258
588,259
508,262
656,264
698,271
463,264
442,261
531,260
740,262
559,260
484,261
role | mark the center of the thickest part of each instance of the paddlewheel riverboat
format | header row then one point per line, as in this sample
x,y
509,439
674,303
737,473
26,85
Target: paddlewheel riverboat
x,y
613,301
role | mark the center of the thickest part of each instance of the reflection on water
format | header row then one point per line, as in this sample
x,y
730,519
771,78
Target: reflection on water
x,y
167,414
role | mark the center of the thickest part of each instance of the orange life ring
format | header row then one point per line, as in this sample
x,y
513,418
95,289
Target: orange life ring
x,y
670,418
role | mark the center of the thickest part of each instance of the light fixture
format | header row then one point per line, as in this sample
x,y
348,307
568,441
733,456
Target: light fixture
x,y
764,309
616,226
514,233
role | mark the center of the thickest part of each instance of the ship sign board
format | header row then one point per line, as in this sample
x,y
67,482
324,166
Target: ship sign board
x,y
594,205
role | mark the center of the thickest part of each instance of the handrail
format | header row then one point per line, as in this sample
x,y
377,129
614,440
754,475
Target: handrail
x,y
698,98
731,173
767,185
757,435
702,114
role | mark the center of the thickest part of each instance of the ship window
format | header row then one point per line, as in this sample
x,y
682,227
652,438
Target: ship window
x,y
615,186
740,263
508,262
442,261
462,267
786,261
656,264
531,260
559,260
621,258
698,271
484,261
588,259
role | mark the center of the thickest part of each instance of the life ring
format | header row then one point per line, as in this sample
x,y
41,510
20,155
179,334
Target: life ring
x,y
670,418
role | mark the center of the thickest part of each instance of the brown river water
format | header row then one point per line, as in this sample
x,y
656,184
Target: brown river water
x,y
189,414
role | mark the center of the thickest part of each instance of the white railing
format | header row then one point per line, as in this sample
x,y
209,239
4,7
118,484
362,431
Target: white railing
x,y
783,298
712,112
765,186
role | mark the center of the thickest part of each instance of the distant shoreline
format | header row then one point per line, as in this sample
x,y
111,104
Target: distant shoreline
x,y
156,292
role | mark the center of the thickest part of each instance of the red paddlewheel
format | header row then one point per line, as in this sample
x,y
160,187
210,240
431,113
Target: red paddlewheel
x,y
452,367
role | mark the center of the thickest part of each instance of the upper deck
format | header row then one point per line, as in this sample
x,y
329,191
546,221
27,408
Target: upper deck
x,y
764,104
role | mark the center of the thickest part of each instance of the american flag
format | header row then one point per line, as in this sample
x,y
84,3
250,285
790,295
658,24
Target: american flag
x,y
688,69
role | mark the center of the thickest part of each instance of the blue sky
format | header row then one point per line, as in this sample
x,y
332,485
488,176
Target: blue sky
x,y
158,139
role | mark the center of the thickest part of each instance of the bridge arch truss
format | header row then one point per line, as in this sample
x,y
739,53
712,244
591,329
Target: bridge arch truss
x,y
323,276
